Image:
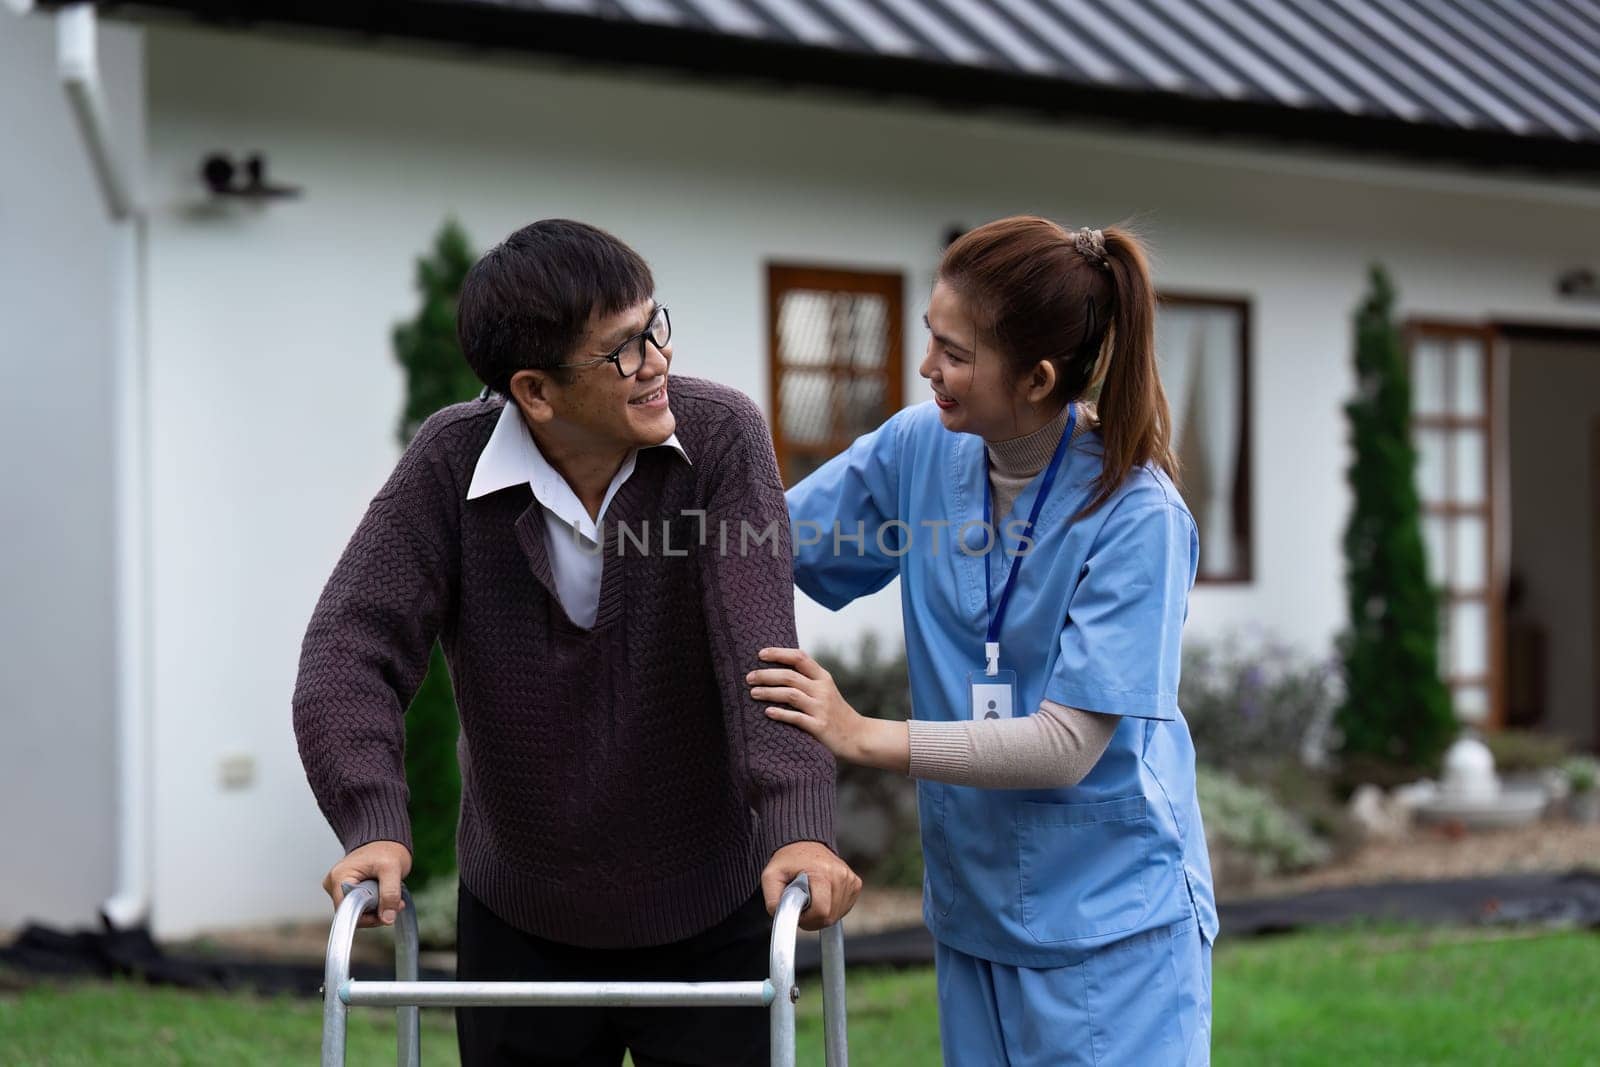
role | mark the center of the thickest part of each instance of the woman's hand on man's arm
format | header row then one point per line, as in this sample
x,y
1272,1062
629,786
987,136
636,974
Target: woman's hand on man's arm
x,y
802,694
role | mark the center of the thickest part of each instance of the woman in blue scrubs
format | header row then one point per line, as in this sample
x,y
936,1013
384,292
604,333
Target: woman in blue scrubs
x,y
1045,560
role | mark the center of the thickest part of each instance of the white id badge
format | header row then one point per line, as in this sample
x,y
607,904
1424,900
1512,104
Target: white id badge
x,y
993,696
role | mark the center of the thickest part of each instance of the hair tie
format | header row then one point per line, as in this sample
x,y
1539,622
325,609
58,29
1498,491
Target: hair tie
x,y
1092,245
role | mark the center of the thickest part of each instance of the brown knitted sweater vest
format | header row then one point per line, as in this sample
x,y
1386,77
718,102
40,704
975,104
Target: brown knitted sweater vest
x,y
620,787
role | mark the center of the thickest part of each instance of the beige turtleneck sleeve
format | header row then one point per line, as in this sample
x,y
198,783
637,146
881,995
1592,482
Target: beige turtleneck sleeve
x,y
1058,746
1055,747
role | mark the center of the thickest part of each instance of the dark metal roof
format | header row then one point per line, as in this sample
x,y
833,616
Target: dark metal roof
x,y
1513,82
1529,67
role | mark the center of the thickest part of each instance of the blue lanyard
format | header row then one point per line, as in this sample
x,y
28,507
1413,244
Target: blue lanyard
x,y
997,616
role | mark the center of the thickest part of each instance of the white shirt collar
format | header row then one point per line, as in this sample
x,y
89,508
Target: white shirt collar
x,y
511,457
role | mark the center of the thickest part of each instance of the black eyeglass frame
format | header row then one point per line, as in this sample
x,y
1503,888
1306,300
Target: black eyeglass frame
x,y
641,339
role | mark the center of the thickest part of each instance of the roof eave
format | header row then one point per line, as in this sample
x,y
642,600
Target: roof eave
x,y
709,55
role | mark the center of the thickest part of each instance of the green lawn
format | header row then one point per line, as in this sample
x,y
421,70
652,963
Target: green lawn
x,y
1452,997
1412,998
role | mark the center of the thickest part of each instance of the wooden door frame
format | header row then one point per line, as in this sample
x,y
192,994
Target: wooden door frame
x,y
1496,485
1498,336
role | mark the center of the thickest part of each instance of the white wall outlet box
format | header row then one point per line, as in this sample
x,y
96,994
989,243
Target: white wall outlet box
x,y
237,772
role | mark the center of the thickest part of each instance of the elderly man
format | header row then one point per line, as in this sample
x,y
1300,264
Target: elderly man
x,y
578,541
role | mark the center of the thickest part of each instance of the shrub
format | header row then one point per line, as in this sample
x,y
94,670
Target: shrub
x,y
433,776
1256,707
1524,751
436,911
1583,773
1246,827
878,833
874,684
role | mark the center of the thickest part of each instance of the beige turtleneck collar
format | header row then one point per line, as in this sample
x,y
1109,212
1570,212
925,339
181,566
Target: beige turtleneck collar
x,y
1015,463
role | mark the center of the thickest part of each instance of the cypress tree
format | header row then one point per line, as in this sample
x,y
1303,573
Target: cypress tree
x,y
1396,711
436,376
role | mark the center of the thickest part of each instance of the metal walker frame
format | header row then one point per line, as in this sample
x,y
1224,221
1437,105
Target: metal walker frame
x,y
778,992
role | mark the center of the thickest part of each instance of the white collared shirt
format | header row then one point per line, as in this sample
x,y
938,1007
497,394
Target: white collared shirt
x,y
573,538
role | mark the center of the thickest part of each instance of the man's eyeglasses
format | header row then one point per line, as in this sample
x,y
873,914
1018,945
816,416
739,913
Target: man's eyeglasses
x,y
629,355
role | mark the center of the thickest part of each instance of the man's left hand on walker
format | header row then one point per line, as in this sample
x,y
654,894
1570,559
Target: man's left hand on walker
x,y
804,695
834,886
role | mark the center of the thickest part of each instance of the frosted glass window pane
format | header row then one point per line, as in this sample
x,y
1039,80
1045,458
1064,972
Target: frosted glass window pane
x,y
806,401
817,327
1468,473
1471,568
1469,639
869,331
1468,374
804,319
865,404
1428,378
1431,481
1471,703
1433,535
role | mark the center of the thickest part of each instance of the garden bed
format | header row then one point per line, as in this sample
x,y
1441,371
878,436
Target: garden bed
x,y
1432,854
1424,855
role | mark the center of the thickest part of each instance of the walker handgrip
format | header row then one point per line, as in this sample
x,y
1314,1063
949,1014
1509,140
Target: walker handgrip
x,y
785,929
357,900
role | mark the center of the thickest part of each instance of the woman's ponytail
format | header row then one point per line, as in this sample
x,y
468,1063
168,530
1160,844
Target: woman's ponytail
x,y
1135,422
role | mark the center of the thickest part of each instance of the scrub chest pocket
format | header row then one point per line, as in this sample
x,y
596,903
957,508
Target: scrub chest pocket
x,y
1081,868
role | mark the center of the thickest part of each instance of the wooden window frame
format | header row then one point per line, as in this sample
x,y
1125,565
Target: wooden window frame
x,y
1243,487
784,277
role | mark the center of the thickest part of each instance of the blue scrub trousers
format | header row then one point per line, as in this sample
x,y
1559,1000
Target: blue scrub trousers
x,y
1142,1001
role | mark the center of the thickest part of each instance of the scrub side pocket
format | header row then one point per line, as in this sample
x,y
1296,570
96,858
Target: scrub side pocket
x,y
1082,867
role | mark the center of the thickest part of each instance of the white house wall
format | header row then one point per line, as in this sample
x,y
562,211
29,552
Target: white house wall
x,y
58,307
275,392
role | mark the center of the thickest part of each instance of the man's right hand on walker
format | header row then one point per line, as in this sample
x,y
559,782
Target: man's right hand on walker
x,y
834,886
387,863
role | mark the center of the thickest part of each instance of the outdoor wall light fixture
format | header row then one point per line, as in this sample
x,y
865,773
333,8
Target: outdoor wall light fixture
x,y
1579,283
224,177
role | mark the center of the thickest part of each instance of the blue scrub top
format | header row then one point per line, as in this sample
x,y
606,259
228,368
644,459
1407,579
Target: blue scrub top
x,y
1036,877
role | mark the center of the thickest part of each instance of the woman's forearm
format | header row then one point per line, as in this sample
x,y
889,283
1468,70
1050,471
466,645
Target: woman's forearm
x,y
882,743
1058,746
1054,748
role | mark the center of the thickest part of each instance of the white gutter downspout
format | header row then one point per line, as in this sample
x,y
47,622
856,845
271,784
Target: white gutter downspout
x,y
78,62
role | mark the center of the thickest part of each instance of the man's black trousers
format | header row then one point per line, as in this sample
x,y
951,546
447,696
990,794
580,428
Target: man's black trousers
x,y
488,949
